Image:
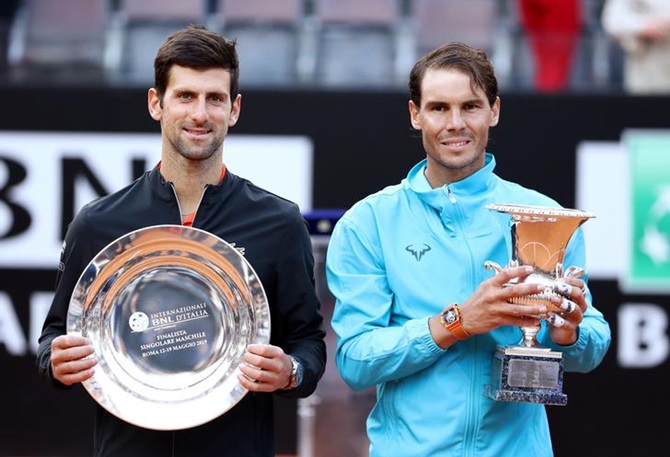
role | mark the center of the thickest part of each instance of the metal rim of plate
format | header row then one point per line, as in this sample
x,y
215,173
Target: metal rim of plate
x,y
169,310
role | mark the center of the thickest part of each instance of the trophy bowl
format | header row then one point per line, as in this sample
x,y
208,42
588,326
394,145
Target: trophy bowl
x,y
540,236
169,311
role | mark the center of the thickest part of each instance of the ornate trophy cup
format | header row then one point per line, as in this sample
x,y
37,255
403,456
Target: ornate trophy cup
x,y
527,372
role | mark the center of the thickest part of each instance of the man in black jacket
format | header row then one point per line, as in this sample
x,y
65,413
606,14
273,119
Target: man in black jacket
x,y
196,100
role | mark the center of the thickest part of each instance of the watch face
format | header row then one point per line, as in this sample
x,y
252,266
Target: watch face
x,y
450,316
296,374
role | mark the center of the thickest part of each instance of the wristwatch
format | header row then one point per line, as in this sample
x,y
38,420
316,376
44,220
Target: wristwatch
x,y
451,320
295,378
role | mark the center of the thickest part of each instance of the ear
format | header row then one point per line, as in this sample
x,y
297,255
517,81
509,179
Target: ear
x,y
414,115
154,103
235,109
495,113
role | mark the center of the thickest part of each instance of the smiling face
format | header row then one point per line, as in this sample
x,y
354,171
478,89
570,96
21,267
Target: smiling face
x,y
195,113
454,119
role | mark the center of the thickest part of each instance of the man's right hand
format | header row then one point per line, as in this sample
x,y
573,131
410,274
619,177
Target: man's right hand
x,y
489,307
72,359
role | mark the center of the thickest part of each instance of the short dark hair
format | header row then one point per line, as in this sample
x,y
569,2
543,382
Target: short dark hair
x,y
459,56
196,47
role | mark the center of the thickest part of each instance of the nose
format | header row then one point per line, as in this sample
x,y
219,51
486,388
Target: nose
x,y
455,120
199,113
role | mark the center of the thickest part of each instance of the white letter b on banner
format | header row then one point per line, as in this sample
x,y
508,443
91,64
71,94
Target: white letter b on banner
x,y
643,341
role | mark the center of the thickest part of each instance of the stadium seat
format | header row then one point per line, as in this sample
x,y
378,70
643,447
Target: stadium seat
x,y
269,38
64,39
141,27
356,42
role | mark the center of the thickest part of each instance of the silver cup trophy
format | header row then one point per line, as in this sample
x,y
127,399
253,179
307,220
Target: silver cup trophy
x,y
527,372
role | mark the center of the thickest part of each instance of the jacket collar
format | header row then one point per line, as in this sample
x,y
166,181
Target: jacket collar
x,y
477,183
165,190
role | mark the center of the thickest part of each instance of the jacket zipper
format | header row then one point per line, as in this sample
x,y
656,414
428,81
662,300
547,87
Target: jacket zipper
x,y
451,196
472,404
195,213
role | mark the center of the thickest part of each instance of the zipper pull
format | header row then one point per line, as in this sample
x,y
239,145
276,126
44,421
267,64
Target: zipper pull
x,y
452,199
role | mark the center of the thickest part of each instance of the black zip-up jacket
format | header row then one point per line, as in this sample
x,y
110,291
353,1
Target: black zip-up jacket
x,y
276,243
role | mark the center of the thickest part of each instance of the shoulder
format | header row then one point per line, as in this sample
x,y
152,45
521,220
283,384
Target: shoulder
x,y
104,202
106,215
369,215
263,198
264,208
378,202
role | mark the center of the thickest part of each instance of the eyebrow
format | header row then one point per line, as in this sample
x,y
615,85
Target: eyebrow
x,y
471,101
186,90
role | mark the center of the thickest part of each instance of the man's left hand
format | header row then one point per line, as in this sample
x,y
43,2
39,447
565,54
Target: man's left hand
x,y
266,368
563,325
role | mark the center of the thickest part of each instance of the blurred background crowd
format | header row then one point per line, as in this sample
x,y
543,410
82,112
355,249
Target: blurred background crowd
x,y
536,45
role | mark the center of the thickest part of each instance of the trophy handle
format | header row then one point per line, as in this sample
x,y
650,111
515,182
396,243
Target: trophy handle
x,y
574,272
491,265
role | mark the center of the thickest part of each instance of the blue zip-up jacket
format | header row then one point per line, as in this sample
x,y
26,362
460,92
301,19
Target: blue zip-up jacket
x,y
402,255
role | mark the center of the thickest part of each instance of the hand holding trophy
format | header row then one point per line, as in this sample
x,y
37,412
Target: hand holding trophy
x,y
527,372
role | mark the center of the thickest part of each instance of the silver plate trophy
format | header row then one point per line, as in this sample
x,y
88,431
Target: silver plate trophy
x,y
169,311
527,372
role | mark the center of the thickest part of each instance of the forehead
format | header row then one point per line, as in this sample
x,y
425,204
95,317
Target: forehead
x,y
198,79
449,85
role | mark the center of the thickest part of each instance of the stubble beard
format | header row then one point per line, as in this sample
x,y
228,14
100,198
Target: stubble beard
x,y
468,160
200,152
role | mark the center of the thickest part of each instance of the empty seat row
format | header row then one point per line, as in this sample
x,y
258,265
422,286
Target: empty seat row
x,y
332,42
280,42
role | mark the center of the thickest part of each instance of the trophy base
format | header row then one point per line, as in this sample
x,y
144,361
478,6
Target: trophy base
x,y
527,375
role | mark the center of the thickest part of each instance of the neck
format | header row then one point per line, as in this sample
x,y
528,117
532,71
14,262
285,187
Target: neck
x,y
190,178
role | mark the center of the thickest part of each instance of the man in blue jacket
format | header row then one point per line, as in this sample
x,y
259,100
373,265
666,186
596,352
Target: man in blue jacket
x,y
403,257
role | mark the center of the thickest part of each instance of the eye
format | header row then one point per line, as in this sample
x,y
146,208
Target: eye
x,y
184,96
216,98
472,106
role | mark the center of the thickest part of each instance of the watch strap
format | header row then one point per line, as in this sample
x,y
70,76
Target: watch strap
x,y
293,380
456,326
